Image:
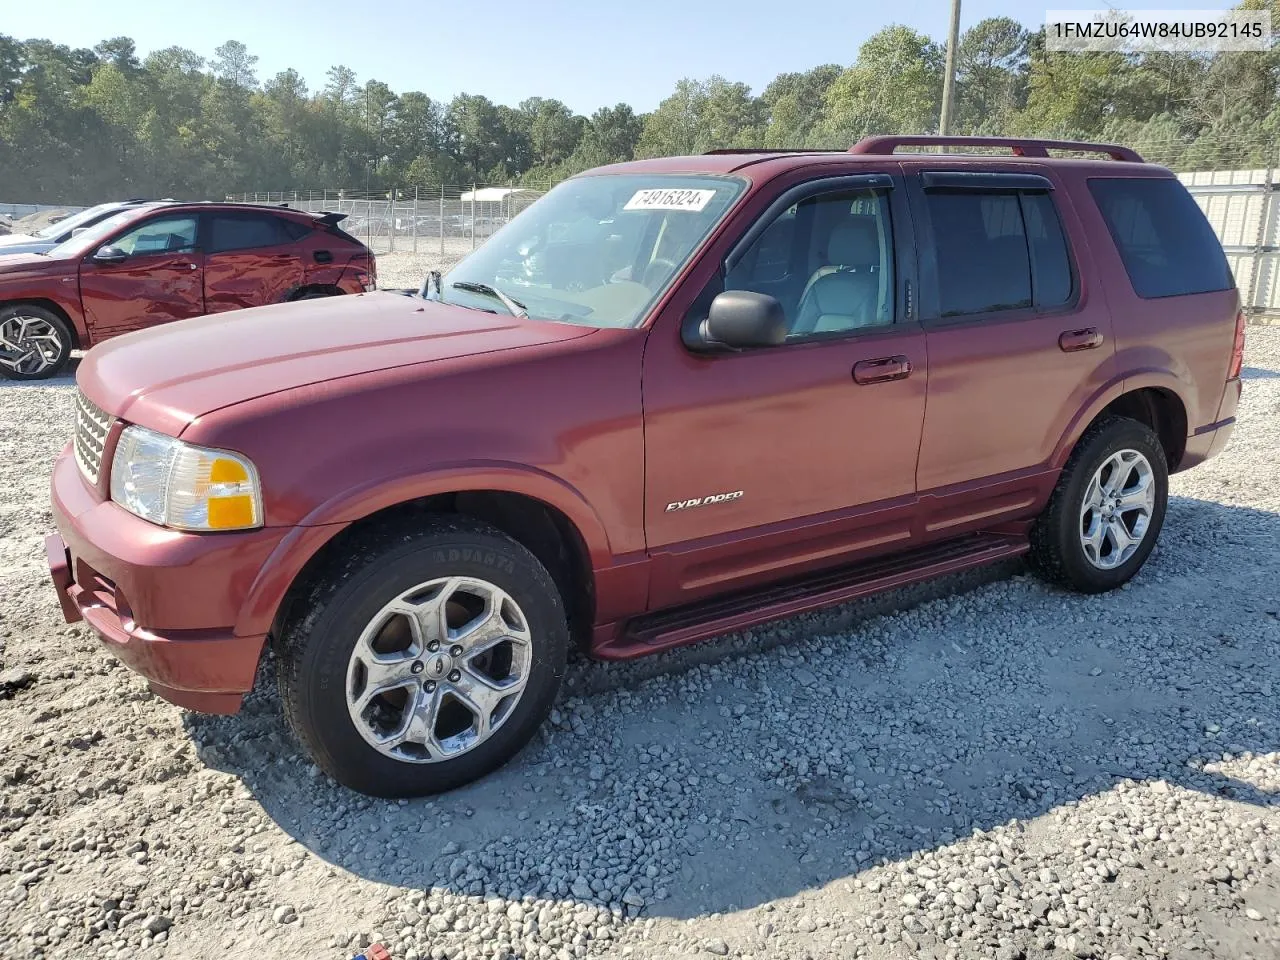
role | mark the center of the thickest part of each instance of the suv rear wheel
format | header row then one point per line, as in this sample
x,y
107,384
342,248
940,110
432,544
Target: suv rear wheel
x,y
426,660
1106,512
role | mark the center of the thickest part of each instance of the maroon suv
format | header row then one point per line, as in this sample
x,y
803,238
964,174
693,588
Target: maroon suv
x,y
162,261
673,398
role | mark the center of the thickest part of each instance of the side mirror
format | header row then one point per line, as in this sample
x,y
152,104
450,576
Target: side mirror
x,y
741,319
110,254
78,230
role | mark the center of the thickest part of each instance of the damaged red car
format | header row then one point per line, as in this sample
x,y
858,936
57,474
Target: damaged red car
x,y
164,261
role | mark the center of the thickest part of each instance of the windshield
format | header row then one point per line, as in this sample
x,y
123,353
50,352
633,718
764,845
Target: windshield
x,y
92,237
71,222
596,250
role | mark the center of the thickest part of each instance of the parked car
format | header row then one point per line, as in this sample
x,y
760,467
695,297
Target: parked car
x,y
159,262
60,231
767,382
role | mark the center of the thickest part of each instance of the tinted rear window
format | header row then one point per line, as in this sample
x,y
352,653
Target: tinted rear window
x,y
982,252
238,231
294,229
1167,245
1051,263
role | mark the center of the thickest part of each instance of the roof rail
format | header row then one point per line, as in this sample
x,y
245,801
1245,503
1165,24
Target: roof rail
x,y
1020,147
750,150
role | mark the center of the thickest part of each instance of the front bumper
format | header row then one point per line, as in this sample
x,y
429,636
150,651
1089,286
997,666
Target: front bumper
x,y
160,600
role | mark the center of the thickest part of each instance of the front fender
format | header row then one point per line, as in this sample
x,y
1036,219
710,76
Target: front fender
x,y
65,296
337,513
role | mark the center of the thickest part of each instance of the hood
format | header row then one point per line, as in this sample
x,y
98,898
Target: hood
x,y
13,239
31,246
166,376
25,265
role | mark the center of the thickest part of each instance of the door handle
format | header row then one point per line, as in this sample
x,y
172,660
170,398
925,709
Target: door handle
x,y
192,266
881,369
1086,339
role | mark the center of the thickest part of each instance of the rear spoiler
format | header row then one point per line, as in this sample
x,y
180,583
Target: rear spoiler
x,y
331,219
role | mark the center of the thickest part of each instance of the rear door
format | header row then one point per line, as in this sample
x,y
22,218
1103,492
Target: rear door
x,y
159,280
251,259
1018,338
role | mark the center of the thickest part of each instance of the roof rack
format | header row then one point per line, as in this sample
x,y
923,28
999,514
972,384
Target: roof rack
x,y
751,150
1018,146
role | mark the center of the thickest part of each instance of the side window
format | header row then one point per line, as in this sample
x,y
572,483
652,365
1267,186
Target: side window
x,y
1050,263
1167,245
998,251
244,231
161,235
828,260
983,264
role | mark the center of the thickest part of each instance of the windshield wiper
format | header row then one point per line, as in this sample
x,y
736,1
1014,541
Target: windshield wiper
x,y
514,307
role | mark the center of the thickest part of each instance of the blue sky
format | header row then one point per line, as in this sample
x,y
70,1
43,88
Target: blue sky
x,y
588,53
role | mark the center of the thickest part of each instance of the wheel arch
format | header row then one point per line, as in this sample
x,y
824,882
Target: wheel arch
x,y
1160,409
1150,399
567,538
79,334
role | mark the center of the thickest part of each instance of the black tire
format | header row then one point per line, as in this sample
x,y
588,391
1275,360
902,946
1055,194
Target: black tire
x,y
60,330
1056,549
315,649
316,294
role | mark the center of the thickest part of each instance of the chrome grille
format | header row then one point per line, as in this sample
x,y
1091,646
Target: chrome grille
x,y
92,426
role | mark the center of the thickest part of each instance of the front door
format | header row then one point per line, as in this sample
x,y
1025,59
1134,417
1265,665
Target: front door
x,y
160,278
780,460
250,259
1018,345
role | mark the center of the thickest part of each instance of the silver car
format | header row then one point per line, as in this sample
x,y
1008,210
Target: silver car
x,y
52,235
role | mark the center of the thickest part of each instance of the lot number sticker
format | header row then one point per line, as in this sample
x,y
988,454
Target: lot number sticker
x,y
669,199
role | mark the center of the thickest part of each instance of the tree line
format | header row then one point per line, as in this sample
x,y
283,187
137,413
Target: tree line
x,y
81,125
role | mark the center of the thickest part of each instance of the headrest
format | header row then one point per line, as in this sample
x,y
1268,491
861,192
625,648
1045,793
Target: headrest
x,y
855,242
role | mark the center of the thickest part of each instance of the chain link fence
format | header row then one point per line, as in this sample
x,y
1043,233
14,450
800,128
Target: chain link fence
x,y
1235,181
445,222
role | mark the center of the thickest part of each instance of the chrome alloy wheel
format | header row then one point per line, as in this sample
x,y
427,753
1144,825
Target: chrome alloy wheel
x,y
29,345
439,669
1117,509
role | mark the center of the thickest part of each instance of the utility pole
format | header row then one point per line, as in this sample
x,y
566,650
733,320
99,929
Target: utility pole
x,y
949,80
368,169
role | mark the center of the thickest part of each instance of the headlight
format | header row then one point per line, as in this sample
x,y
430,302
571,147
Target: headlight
x,y
178,485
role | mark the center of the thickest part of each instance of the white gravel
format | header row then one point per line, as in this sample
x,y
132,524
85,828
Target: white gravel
x,y
999,770
404,270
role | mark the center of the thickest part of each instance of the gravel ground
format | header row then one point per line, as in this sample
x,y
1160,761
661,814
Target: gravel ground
x,y
408,270
983,767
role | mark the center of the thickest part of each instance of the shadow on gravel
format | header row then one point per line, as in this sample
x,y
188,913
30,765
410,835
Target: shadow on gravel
x,y
742,771
67,378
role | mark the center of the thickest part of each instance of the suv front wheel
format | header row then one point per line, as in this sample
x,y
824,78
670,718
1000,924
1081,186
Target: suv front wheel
x,y
423,660
1106,512
35,343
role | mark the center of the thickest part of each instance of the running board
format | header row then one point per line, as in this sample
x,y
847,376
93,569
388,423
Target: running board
x,y
689,624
